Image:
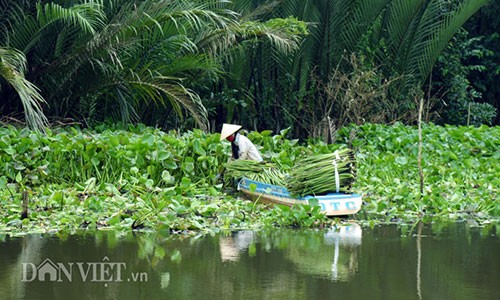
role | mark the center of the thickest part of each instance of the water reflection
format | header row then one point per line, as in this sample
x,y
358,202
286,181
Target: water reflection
x,y
329,254
333,256
345,262
349,237
231,245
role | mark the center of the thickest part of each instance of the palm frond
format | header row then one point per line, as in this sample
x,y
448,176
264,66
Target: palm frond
x,y
354,20
12,68
400,21
437,26
87,16
178,95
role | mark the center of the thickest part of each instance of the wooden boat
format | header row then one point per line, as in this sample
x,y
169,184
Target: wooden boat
x,y
332,204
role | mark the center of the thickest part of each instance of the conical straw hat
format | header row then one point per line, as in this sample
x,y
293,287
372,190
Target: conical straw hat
x,y
228,129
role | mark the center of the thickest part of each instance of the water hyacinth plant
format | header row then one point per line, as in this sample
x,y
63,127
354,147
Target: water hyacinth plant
x,y
139,177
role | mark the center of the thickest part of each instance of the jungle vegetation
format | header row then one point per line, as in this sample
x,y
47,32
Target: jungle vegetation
x,y
122,101
309,65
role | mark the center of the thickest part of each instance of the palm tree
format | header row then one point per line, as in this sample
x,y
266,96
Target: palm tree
x,y
127,58
402,39
115,56
13,69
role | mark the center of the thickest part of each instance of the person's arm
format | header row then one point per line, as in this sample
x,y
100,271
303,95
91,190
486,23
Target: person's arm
x,y
248,149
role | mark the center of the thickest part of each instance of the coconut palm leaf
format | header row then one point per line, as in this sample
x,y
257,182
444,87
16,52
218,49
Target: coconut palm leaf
x,y
151,36
12,69
404,37
439,22
51,20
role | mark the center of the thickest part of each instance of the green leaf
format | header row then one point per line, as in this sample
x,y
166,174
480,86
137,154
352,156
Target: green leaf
x,y
185,183
170,165
167,178
401,160
162,155
19,177
3,182
313,202
198,148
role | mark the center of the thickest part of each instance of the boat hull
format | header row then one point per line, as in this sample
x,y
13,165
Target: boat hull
x,y
332,204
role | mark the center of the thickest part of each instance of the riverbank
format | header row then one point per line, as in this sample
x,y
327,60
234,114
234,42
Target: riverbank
x,y
141,178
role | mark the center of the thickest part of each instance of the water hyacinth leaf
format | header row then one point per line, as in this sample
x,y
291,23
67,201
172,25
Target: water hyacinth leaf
x,y
170,165
401,160
90,184
203,158
162,155
195,224
3,182
19,177
452,155
114,220
188,165
95,161
198,148
149,183
111,188
471,162
148,139
266,133
185,183
4,140
114,141
57,197
212,191
19,167
313,202
171,140
10,151
151,170
167,178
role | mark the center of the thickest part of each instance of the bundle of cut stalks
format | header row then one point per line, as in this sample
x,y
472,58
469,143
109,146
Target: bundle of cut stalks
x,y
258,171
323,173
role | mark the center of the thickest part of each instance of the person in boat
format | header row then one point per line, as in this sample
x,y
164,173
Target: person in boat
x,y
241,146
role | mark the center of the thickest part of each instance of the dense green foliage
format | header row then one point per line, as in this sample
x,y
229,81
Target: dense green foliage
x,y
461,172
458,97
185,64
138,177
362,61
123,60
485,26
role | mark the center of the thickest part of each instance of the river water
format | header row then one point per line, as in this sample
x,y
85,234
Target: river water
x,y
452,261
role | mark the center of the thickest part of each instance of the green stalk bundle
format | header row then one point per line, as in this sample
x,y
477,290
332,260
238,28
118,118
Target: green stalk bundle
x,y
258,171
315,175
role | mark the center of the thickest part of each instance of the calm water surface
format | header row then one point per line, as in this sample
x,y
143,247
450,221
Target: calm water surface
x,y
348,262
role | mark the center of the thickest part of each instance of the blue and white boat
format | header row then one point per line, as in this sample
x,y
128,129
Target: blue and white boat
x,y
332,204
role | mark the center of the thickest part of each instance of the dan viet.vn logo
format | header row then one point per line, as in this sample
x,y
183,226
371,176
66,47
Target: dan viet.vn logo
x,y
103,271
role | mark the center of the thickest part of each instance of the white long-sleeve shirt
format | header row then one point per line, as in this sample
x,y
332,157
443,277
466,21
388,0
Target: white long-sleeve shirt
x,y
247,149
